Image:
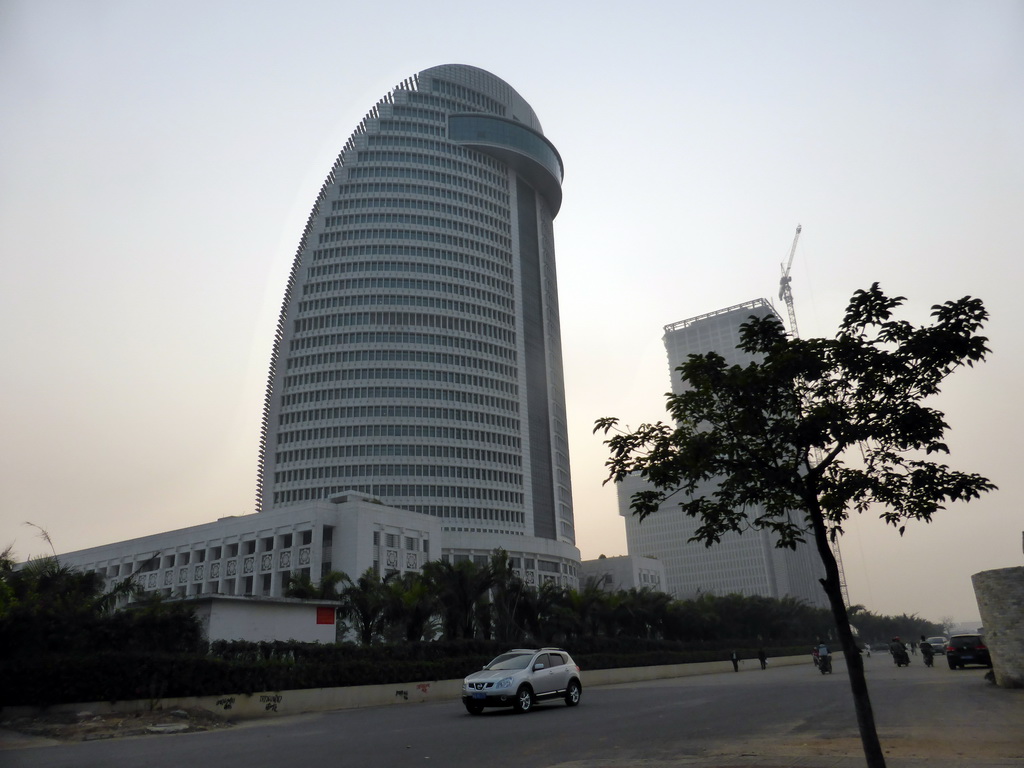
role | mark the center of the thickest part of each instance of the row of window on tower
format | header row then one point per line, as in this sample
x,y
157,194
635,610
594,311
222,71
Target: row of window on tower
x,y
402,429
424,356
494,273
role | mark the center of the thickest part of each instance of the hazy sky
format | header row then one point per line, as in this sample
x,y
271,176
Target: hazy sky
x,y
158,162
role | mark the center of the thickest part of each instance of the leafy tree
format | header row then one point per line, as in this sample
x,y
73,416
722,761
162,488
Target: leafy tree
x,y
875,628
810,431
7,601
793,618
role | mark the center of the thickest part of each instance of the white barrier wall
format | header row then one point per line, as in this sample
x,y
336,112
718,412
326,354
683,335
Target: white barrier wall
x,y
276,703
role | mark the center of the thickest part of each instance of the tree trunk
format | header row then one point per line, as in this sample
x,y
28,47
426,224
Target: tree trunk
x,y
854,662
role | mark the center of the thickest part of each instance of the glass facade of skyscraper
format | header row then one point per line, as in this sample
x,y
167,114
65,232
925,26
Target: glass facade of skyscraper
x,y
418,355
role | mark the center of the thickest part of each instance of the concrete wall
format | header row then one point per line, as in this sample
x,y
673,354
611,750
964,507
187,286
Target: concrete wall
x,y
1000,595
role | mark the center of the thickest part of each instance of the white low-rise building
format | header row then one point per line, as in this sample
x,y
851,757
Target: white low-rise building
x,y
616,574
265,619
236,570
256,555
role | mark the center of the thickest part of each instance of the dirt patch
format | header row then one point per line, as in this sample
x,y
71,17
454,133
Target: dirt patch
x,y
922,746
87,726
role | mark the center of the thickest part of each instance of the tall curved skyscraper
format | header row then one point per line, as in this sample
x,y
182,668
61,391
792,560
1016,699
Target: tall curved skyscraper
x,y
418,355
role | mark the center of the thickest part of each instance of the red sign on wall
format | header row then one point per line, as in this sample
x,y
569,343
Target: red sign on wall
x,y
324,614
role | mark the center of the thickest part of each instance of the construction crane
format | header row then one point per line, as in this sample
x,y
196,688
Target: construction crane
x,y
785,292
786,295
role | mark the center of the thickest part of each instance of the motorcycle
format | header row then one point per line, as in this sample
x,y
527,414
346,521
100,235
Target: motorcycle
x,y
825,664
900,657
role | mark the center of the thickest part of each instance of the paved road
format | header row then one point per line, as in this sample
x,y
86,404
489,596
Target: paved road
x,y
779,718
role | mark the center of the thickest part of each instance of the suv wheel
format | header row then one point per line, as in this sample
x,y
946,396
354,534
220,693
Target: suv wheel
x,y
573,693
524,700
474,707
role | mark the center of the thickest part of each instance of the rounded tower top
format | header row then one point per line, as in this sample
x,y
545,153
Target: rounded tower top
x,y
481,80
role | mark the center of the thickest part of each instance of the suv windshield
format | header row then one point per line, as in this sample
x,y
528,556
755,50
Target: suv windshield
x,y
511,661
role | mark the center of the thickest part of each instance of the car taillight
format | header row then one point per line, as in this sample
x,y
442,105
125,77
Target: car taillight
x,y
981,647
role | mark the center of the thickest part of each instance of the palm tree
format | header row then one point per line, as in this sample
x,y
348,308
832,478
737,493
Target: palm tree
x,y
588,605
51,605
411,605
44,585
609,612
708,617
459,587
121,593
302,586
365,601
508,599
553,617
641,612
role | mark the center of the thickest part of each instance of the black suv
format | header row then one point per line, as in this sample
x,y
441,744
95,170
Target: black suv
x,y
967,649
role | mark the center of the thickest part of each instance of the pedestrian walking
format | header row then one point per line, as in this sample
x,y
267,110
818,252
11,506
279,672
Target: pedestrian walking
x,y
762,658
735,662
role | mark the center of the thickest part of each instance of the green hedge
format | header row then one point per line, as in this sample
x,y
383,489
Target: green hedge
x,y
106,676
165,629
238,667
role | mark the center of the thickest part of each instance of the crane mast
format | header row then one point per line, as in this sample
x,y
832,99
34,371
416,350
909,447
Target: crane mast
x,y
786,295
785,292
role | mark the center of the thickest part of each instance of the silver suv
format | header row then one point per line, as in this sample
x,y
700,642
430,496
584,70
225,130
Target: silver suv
x,y
520,678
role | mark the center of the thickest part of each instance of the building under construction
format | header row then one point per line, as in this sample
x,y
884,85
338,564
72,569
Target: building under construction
x,y
749,564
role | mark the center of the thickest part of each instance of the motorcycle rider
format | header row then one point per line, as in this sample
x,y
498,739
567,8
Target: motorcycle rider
x,y
899,652
824,658
927,652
